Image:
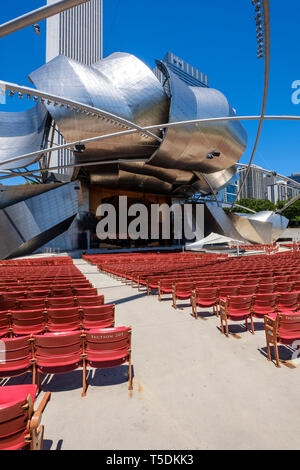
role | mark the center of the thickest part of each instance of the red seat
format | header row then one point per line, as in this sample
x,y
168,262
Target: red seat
x,y
247,289
85,292
105,348
182,291
284,286
264,304
287,301
26,322
204,298
15,355
102,316
61,292
266,288
57,353
63,319
281,328
236,308
90,301
4,324
36,294
60,302
30,304
19,423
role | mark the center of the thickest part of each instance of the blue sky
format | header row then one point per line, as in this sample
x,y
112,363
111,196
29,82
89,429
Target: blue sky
x,y
216,36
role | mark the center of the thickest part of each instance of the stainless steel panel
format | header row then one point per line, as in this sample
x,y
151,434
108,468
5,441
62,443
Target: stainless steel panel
x,y
21,133
28,224
142,102
187,147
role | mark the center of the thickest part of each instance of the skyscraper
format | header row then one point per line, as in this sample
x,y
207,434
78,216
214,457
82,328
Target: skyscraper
x,y
78,34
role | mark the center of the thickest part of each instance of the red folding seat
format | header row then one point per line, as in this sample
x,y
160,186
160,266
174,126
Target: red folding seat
x,y
85,292
60,302
61,291
19,422
283,328
57,353
251,281
266,288
165,287
5,327
294,278
27,322
296,286
16,355
31,304
39,294
102,316
247,289
236,308
106,348
9,300
204,298
287,301
182,291
63,319
284,286
90,301
224,292
264,304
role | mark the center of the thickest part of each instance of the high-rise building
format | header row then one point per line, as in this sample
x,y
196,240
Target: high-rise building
x,y
264,184
295,177
78,34
257,182
186,72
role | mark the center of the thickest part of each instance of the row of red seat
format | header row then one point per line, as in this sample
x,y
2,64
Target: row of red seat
x,y
24,322
54,353
8,303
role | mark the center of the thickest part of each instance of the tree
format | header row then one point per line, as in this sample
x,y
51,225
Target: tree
x,y
256,205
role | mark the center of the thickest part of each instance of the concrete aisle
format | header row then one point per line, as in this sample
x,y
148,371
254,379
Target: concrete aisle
x,y
193,388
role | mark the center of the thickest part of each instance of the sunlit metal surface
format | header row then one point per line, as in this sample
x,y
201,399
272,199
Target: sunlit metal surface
x,y
123,85
28,224
187,147
143,103
20,133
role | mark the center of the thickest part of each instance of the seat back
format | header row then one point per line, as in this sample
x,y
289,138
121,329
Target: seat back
x,y
241,304
265,301
54,349
31,304
106,341
287,301
92,300
289,323
23,320
101,316
60,302
247,289
15,354
61,292
228,290
85,291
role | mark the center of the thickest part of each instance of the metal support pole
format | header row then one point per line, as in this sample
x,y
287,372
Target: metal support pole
x,y
37,15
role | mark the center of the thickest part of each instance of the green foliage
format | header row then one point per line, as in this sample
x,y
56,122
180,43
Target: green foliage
x,y
256,205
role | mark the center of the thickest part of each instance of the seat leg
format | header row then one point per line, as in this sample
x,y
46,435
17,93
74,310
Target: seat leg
x,y
276,355
84,384
252,325
130,387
